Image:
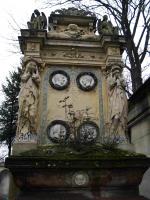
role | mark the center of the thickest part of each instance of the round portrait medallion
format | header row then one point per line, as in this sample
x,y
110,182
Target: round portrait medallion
x,y
86,81
59,80
88,132
80,179
58,131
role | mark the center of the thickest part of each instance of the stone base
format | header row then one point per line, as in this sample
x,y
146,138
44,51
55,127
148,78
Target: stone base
x,y
126,146
69,195
22,147
104,179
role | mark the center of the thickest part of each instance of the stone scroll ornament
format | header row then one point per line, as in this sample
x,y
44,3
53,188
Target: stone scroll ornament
x,y
118,105
28,102
38,21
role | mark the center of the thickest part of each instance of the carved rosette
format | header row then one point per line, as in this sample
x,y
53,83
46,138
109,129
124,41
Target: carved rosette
x,y
28,102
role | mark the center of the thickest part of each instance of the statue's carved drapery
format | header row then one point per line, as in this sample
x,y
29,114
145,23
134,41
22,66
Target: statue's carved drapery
x,y
28,99
117,102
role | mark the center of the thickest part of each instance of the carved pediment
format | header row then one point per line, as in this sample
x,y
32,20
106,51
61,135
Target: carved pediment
x,y
73,12
63,19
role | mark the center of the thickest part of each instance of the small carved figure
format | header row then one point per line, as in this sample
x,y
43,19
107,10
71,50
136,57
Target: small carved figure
x,y
73,31
28,99
117,102
38,21
105,27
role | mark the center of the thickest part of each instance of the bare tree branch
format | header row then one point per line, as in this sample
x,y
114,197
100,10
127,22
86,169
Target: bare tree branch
x,y
137,18
129,16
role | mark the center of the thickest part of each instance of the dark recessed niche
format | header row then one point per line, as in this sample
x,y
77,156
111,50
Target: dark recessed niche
x,y
86,81
87,132
58,131
59,80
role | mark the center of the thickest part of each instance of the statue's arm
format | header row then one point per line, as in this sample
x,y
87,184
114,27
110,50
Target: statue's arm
x,y
112,83
44,20
25,77
122,83
36,77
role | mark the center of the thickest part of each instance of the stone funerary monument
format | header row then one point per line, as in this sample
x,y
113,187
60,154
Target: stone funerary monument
x,y
72,98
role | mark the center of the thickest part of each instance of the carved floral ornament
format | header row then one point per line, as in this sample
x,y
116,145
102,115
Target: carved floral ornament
x,y
60,80
73,12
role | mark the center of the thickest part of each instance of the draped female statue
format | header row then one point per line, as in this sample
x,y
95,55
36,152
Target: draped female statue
x,y
117,102
28,99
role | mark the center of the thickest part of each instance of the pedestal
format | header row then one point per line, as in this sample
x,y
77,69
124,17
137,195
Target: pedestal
x,y
104,179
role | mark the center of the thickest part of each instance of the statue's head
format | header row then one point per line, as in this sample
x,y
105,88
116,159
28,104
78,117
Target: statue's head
x,y
105,17
31,67
116,70
37,12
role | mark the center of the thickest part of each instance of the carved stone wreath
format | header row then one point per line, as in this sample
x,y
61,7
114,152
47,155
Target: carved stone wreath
x,y
59,80
86,81
58,131
87,132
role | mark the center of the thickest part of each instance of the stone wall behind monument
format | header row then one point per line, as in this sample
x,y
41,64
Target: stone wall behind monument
x,y
139,119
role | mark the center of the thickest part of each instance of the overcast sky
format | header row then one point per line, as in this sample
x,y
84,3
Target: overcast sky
x,y
14,15
20,11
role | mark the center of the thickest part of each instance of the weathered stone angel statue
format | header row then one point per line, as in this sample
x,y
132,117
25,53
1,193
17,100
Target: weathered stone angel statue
x,y
38,21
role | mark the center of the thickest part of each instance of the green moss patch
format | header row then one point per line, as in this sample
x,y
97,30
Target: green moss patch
x,y
61,152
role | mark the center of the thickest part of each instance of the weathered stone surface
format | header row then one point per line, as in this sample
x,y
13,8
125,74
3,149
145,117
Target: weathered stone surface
x,y
71,89
144,187
74,55
91,179
67,195
139,119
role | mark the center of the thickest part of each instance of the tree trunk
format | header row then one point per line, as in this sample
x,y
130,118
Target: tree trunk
x,y
9,147
136,79
132,51
136,74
